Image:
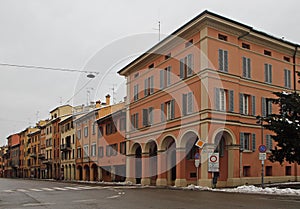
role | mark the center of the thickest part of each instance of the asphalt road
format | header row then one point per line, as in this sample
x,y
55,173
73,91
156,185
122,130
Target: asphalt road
x,y
17,193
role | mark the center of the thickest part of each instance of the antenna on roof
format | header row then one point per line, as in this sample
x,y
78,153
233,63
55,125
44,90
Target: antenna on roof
x,y
114,93
159,30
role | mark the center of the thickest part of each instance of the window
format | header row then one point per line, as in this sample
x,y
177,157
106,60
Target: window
x,y
149,86
268,53
269,142
287,78
168,56
288,170
186,66
246,67
122,124
151,66
100,151
222,37
220,99
94,129
165,77
247,103
93,150
189,43
86,131
114,149
100,132
123,148
266,105
187,103
78,152
246,171
147,116
246,46
268,73
108,150
223,60
85,150
248,141
170,109
136,75
136,92
268,170
134,121
287,59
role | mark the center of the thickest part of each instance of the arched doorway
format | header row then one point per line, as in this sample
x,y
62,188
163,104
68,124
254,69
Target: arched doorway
x,y
95,172
87,172
138,164
169,146
79,171
151,147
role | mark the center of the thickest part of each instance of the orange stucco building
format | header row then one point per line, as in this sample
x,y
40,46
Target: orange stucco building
x,y
208,80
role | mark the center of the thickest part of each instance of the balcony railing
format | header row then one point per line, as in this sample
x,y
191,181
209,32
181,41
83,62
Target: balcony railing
x,y
47,161
33,155
65,147
41,156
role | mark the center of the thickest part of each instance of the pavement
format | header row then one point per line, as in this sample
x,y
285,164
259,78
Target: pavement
x,y
19,193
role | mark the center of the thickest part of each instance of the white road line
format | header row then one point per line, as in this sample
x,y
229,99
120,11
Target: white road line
x,y
47,189
113,197
73,188
37,204
22,190
90,200
86,187
59,188
36,190
8,191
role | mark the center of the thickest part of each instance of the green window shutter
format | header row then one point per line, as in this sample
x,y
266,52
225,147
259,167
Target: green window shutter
x,y
169,76
217,98
285,78
184,104
172,109
253,101
151,112
253,142
162,112
226,61
249,67
270,73
244,67
242,143
152,84
182,66
263,107
231,101
190,64
137,120
145,117
221,60
190,102
146,87
266,73
241,103
269,108
161,79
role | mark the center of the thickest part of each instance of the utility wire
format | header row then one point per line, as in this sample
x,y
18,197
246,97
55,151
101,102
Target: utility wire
x,y
46,68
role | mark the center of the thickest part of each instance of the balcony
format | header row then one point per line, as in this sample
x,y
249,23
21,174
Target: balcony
x,y
41,156
47,161
65,147
33,155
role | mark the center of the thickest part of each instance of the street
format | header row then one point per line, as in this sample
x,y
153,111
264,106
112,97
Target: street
x,y
18,193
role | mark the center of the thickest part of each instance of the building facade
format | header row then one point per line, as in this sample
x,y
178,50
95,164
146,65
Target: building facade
x,y
208,80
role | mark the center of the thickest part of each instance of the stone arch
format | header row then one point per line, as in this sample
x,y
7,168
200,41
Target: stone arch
x,y
86,169
133,148
231,139
79,172
168,147
185,137
94,169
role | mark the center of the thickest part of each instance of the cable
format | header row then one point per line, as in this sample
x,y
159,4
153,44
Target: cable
x,y
46,68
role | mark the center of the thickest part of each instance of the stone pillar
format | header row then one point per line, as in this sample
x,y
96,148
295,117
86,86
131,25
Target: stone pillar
x,y
234,170
180,168
130,168
205,180
161,168
145,169
99,173
113,173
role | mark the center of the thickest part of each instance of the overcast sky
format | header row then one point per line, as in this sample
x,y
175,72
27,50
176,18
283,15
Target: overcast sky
x,y
83,35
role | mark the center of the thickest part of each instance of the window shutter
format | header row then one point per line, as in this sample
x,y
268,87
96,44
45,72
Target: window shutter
x,y
162,112
241,103
161,79
270,73
184,102
266,73
172,109
242,141
221,60
169,75
253,100
132,122
190,64
226,61
217,98
267,142
249,67
231,101
151,115
285,78
182,65
269,108
145,117
289,79
137,120
263,106
152,84
244,67
146,87
253,142
190,105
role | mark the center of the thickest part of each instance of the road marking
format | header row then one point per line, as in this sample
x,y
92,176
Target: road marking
x,y
47,189
8,191
90,200
59,188
37,204
73,188
86,187
113,197
22,190
36,190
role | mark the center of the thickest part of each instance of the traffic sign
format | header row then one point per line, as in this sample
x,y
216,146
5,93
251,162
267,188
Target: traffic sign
x,y
262,148
197,155
200,143
197,163
262,156
213,162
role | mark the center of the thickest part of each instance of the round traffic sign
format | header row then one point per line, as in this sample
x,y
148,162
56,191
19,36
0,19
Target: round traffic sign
x,y
197,155
213,158
262,148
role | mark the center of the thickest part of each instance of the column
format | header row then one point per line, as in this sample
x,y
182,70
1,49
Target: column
x,y
145,169
233,165
99,173
130,168
205,179
161,168
180,168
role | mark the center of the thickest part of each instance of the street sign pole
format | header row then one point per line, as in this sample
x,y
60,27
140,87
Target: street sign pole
x,y
262,156
197,163
262,174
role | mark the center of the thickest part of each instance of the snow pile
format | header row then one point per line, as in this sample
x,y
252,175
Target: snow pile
x,y
250,190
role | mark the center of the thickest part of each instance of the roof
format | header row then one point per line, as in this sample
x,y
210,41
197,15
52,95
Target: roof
x,y
67,105
109,115
195,19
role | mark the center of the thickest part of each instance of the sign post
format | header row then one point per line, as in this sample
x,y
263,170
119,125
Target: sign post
x,y
197,163
262,156
213,162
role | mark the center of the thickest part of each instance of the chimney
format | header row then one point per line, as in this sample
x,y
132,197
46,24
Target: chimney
x,y
98,104
107,99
